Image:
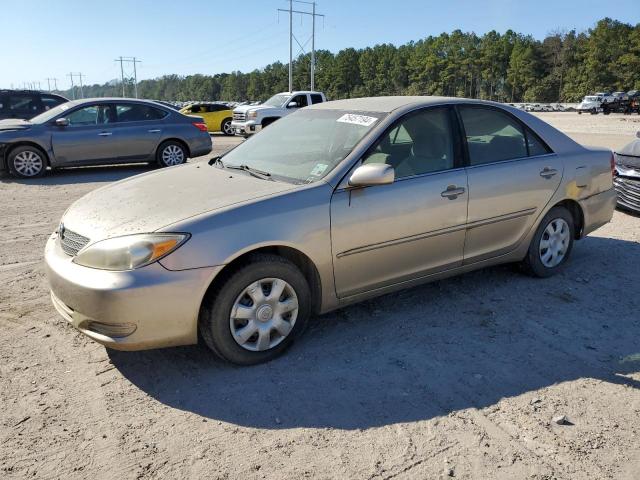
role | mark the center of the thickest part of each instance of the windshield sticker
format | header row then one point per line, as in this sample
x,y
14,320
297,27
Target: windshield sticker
x,y
63,107
357,119
319,169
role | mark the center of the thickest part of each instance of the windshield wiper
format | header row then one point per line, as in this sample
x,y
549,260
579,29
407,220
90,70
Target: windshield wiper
x,y
252,171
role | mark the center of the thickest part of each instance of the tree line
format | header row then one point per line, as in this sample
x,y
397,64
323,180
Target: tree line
x,y
509,67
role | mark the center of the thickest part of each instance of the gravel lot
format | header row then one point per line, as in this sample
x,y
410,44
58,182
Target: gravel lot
x,y
456,378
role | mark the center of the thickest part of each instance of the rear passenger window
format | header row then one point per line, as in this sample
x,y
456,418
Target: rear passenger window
x,y
316,98
138,113
492,136
23,105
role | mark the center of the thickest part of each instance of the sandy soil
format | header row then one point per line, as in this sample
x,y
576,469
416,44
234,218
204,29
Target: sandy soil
x,y
457,378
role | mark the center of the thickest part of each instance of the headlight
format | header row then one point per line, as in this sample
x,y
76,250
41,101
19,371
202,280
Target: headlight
x,y
129,252
252,114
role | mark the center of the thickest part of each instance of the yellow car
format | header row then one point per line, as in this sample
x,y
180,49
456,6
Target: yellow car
x,y
216,116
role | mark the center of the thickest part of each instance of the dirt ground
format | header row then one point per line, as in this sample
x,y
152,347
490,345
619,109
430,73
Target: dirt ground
x,y
459,378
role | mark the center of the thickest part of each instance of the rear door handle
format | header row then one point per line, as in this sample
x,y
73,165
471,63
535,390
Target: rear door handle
x,y
155,130
452,192
547,172
105,134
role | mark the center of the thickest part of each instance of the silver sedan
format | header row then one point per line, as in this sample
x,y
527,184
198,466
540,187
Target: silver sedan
x,y
334,204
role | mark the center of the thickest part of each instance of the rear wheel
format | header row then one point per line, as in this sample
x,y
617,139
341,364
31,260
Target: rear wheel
x,y
171,153
258,312
227,129
551,245
27,162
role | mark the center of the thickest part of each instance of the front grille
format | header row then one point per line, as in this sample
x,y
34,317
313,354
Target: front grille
x,y
239,117
72,242
628,191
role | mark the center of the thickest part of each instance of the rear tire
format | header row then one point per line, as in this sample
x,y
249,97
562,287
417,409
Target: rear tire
x,y
27,162
226,127
271,320
171,153
551,245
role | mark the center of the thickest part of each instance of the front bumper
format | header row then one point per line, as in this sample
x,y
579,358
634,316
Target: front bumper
x,y
628,191
160,306
246,128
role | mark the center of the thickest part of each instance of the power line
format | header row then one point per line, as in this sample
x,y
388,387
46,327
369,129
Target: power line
x,y
134,61
313,16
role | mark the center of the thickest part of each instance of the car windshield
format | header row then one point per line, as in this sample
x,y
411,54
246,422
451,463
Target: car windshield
x,y
590,99
305,146
50,114
276,100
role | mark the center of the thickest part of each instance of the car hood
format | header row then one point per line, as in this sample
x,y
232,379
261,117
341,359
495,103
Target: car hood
x,y
14,124
151,201
246,108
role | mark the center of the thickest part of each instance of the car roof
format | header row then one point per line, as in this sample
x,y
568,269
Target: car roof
x,y
83,101
389,104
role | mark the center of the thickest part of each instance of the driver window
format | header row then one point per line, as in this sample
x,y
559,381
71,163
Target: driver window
x,y
301,101
84,116
421,143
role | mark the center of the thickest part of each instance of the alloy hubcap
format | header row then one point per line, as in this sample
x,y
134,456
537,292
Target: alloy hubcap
x,y
554,243
226,128
28,163
264,314
172,155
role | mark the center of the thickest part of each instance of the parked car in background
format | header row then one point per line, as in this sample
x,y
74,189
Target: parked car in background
x,y
605,97
591,104
627,179
25,104
250,119
217,116
100,131
333,204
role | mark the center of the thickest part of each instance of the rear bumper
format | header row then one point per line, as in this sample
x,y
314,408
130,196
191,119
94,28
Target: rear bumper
x,y
628,191
202,145
598,210
134,310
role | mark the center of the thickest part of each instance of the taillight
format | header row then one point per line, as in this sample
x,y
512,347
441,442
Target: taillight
x,y
613,165
201,126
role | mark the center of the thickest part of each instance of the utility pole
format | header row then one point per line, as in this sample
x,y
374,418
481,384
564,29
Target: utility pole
x,y
133,60
79,74
313,15
73,90
55,83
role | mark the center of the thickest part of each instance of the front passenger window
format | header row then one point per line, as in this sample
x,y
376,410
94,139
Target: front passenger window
x,y
421,143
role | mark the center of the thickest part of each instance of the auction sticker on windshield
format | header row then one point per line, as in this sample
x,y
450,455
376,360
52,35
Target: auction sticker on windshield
x,y
363,120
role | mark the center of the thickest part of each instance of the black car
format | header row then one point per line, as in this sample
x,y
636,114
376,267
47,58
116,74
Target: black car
x,y
27,104
627,179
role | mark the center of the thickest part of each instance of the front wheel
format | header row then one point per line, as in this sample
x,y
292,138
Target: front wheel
x,y
27,162
258,312
551,245
227,129
171,153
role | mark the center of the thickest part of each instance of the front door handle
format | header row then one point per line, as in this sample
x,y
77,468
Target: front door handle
x,y
452,192
155,130
547,172
105,134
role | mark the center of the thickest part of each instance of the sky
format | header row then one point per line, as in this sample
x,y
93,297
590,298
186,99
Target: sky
x,y
42,39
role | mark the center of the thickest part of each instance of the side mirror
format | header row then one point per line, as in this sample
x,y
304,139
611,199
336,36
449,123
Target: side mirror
x,y
292,105
638,134
372,174
62,122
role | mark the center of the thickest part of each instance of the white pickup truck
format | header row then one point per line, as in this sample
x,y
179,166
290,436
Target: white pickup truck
x,y
250,119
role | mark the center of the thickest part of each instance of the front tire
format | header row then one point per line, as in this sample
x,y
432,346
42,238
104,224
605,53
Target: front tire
x,y
27,162
171,153
257,313
551,245
227,129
